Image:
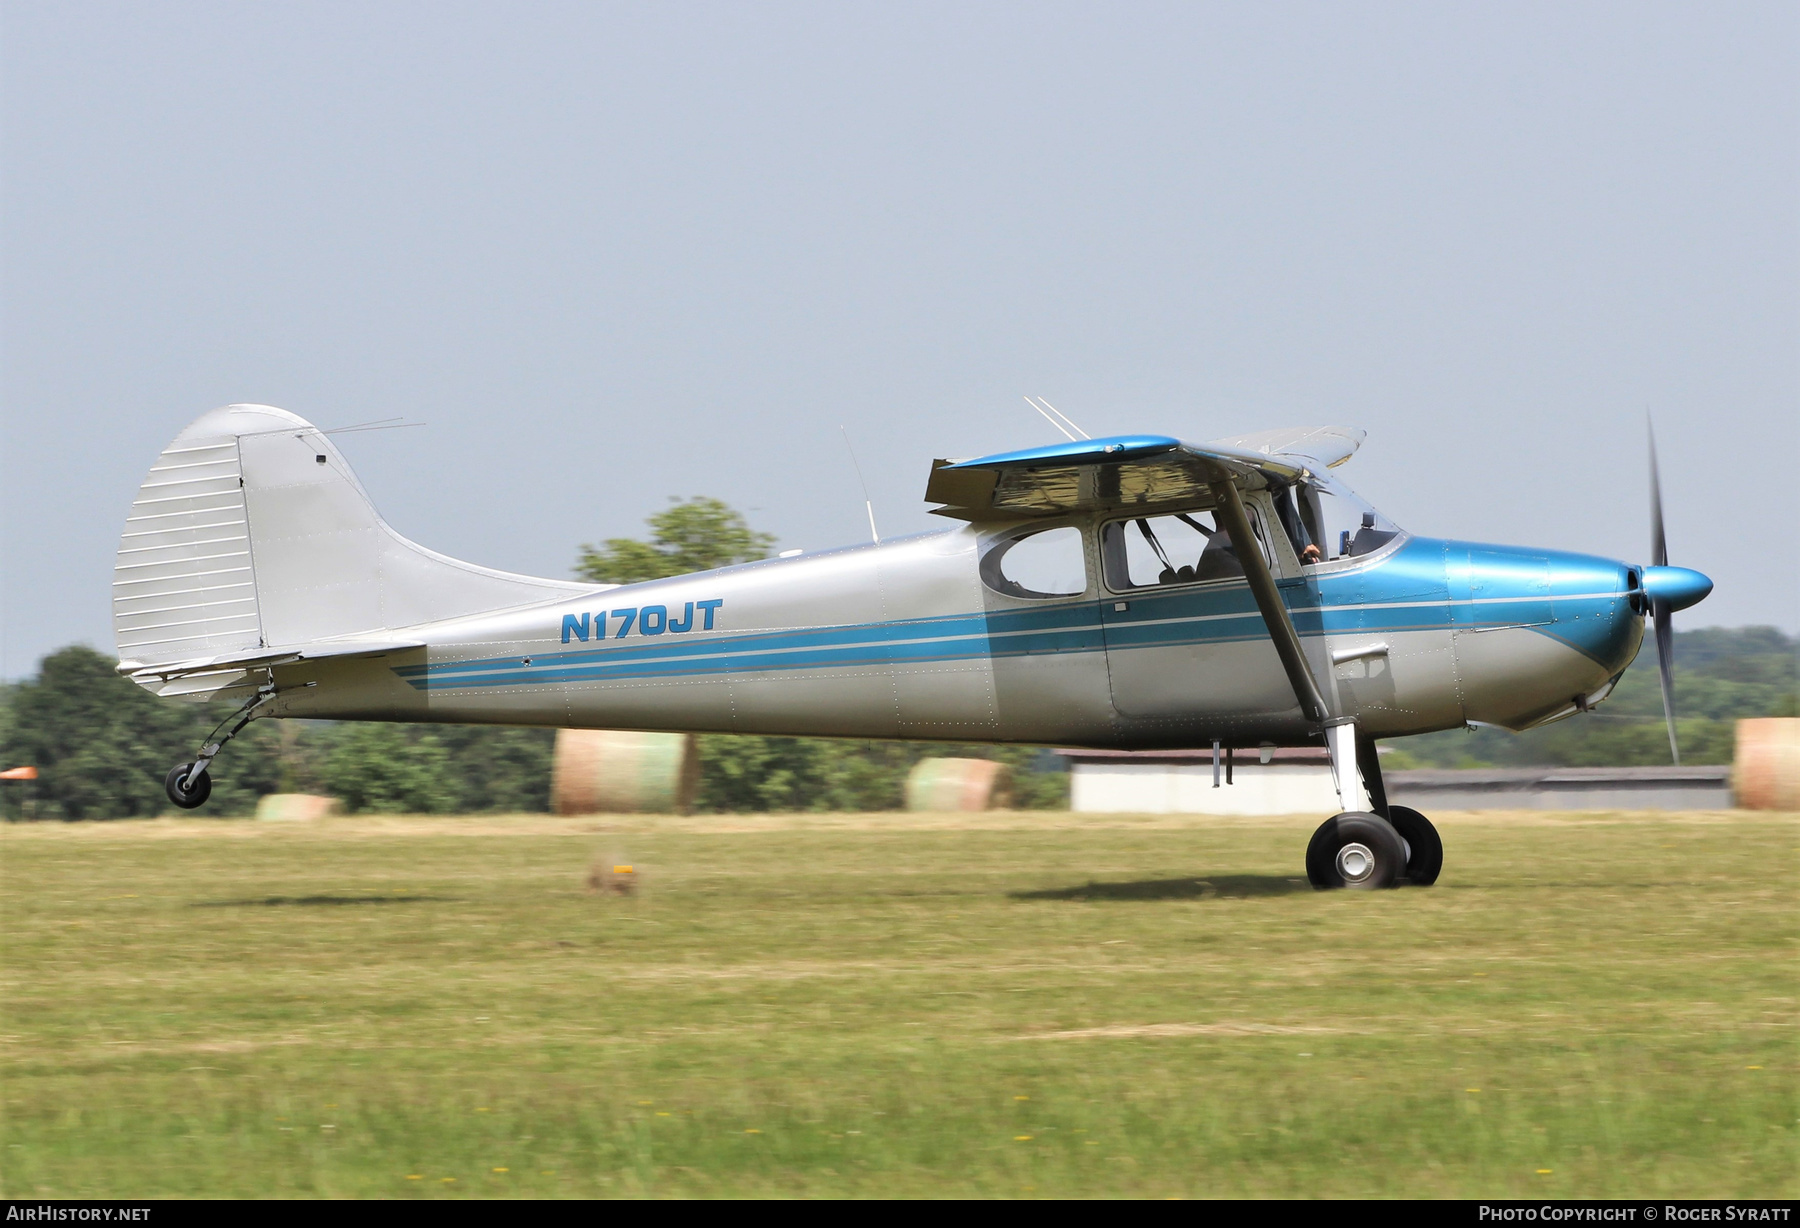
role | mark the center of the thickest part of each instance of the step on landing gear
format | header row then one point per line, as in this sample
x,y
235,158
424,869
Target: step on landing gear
x,y
187,784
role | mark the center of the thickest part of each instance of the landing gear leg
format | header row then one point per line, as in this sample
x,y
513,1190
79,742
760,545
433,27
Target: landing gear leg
x,y
1358,848
187,784
1424,850
1340,738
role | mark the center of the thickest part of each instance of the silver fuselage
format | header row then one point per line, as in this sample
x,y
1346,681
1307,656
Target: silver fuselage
x,y
904,640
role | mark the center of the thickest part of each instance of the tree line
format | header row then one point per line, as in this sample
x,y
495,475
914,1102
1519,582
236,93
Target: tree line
x,y
102,745
1722,674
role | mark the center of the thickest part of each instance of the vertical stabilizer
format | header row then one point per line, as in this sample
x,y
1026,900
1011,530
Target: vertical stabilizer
x,y
252,533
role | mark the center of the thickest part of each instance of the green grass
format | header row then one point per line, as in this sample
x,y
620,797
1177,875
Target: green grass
x,y
1027,1005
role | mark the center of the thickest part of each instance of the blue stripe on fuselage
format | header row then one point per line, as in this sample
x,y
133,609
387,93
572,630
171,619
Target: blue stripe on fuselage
x,y
1405,591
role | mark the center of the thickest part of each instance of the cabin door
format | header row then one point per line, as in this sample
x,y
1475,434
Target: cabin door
x,y
1184,640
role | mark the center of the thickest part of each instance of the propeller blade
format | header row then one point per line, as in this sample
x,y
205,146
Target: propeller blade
x,y
1659,547
1662,620
1660,615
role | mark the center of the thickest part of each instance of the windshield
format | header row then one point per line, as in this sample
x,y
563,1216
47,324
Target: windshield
x,y
1326,520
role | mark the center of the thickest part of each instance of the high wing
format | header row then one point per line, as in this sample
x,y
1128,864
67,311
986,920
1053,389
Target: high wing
x,y
1327,446
1128,471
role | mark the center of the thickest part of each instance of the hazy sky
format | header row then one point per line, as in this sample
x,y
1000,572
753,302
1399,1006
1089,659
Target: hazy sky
x,y
613,253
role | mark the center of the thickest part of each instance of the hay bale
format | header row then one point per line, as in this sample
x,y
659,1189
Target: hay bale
x,y
618,771
295,807
1766,765
959,785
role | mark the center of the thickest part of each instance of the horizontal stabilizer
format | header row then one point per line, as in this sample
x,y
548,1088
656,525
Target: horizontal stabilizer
x,y
227,675
267,657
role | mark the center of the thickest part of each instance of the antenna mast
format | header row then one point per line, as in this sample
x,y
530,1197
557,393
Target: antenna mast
x,y
868,503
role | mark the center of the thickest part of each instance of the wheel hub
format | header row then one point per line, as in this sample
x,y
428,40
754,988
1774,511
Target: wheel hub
x,y
1356,862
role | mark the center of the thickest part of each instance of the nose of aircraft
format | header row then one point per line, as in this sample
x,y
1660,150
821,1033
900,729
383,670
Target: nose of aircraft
x,y
1679,587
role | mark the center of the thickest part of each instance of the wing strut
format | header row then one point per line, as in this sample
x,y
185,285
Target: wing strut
x,y
1268,600
1340,733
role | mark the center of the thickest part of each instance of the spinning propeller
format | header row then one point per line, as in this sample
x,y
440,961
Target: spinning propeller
x,y
1669,589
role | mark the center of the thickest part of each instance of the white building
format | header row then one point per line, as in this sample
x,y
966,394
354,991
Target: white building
x,y
1294,781
1298,781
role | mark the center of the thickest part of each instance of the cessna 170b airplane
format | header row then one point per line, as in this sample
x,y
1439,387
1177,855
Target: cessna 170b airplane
x,y
1131,592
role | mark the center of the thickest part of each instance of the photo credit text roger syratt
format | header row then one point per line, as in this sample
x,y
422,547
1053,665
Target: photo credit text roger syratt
x,y
1692,1211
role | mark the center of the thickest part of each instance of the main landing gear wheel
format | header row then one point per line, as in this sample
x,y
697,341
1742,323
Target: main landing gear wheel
x,y
1427,849
188,794
1361,851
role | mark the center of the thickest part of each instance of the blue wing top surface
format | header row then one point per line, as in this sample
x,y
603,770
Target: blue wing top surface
x,y
1111,450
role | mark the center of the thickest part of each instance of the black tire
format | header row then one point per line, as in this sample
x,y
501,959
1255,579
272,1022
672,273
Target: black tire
x,y
1366,842
196,791
1427,859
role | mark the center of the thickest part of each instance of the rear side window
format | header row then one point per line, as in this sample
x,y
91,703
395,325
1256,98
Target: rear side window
x,y
1044,563
1186,548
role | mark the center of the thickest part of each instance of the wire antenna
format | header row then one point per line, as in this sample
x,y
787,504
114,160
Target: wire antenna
x,y
1060,414
380,424
1044,407
1052,421
868,503
383,424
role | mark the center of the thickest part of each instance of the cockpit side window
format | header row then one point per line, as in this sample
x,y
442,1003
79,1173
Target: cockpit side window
x,y
1037,563
1183,548
1291,511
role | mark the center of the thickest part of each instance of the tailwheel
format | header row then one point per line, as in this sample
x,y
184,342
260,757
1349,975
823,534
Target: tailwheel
x,y
1361,851
187,784
1425,849
187,787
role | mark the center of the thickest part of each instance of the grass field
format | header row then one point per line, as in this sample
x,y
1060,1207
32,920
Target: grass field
x,y
1008,1005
